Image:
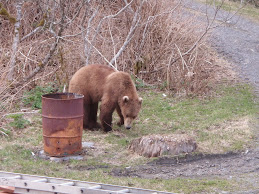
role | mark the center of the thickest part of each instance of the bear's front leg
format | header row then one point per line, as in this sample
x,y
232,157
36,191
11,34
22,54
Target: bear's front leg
x,y
106,111
121,121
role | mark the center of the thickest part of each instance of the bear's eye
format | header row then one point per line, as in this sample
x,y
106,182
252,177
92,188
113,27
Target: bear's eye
x,y
127,115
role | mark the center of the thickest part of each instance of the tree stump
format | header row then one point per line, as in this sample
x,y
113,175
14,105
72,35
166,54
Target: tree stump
x,y
157,145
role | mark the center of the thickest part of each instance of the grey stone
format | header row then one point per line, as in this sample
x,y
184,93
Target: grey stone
x,y
43,155
66,158
87,144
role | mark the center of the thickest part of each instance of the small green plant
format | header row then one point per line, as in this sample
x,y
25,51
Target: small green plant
x,y
33,97
139,83
18,121
163,86
4,132
2,106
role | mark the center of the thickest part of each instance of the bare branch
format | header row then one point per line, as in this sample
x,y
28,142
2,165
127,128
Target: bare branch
x,y
183,61
207,29
101,54
27,58
114,46
76,14
31,33
134,24
62,37
126,2
107,17
152,18
121,10
110,16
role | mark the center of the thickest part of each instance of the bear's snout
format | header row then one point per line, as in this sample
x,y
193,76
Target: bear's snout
x,y
127,127
128,122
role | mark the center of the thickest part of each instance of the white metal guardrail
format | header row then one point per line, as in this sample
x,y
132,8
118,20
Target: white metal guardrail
x,y
32,184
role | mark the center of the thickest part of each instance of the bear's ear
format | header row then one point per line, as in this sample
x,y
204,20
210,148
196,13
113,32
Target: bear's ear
x,y
140,100
125,98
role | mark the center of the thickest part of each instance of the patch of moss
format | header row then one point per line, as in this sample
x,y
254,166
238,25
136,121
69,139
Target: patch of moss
x,y
41,23
5,13
40,64
12,20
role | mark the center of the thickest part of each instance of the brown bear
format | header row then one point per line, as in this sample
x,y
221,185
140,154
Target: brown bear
x,y
114,89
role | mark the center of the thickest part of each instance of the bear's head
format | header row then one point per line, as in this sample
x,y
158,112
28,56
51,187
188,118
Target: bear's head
x,y
130,109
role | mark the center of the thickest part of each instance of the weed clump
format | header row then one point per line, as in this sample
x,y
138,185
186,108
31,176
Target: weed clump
x,y
4,132
33,97
18,121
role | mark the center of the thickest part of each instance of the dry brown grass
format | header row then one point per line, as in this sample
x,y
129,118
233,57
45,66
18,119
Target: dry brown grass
x,y
227,136
155,53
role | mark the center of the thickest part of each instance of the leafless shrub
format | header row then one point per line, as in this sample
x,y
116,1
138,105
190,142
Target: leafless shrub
x,y
154,40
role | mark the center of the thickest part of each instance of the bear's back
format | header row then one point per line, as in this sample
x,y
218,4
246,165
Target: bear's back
x,y
90,81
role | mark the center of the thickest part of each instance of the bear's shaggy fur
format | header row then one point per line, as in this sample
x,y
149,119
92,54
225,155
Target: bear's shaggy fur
x,y
114,89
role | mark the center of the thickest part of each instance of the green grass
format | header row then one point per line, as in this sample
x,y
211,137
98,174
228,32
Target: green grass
x,y
190,114
248,10
219,123
18,121
197,116
30,165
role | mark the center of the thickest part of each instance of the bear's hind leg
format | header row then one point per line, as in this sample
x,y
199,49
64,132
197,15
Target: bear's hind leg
x,y
93,116
86,115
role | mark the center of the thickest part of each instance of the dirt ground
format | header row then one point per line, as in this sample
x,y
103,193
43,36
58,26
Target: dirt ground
x,y
238,42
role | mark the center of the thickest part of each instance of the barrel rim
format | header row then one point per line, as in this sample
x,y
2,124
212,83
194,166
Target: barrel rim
x,y
77,96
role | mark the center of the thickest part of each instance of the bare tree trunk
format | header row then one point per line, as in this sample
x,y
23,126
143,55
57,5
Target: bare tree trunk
x,y
86,36
16,40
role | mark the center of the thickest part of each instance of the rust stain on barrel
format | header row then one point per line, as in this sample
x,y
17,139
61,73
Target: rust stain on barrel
x,y
62,123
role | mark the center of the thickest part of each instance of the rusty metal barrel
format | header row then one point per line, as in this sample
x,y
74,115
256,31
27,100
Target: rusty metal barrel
x,y
62,123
